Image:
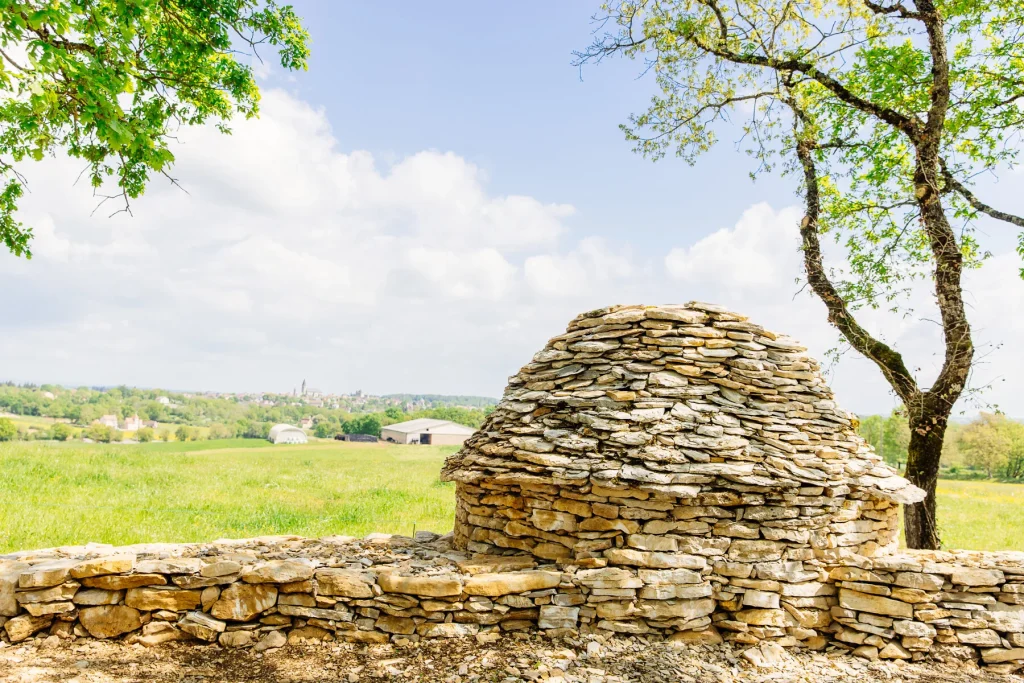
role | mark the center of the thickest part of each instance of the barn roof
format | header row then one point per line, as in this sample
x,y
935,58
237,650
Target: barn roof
x,y
429,425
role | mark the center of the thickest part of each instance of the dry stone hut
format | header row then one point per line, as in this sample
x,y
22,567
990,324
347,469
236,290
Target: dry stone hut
x,y
683,456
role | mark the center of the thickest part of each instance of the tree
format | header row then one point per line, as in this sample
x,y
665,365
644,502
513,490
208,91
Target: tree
x,y
994,443
164,435
8,430
183,433
60,432
364,424
101,433
895,439
109,81
325,429
219,431
884,112
144,434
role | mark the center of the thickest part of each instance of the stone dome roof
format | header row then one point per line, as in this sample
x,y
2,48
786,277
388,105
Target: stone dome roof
x,y
674,399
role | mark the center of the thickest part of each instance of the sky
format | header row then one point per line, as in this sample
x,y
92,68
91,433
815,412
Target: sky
x,y
419,212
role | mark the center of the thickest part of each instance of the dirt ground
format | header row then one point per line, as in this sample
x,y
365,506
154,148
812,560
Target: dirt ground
x,y
509,660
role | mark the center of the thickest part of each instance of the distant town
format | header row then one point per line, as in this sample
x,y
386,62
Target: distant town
x,y
116,414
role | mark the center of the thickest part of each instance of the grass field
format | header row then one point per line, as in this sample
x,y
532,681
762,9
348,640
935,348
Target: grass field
x,y
58,494
71,493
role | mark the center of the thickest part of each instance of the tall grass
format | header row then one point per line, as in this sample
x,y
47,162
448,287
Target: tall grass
x,y
72,493
61,494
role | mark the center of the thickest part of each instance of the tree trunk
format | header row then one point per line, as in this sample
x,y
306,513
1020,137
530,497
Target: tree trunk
x,y
927,430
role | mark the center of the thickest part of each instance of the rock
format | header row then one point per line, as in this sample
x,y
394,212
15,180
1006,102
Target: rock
x,y
220,568
344,583
46,574
109,621
202,626
174,565
9,576
449,630
279,571
438,585
709,636
235,638
927,582
867,652
117,583
997,655
398,625
271,641
20,628
148,599
863,602
243,602
894,650
977,577
97,596
364,637
914,629
494,585
111,564
65,591
982,637
552,616
767,654
158,632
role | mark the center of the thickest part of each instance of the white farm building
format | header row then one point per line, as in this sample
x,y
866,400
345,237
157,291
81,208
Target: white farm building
x,y
286,434
427,431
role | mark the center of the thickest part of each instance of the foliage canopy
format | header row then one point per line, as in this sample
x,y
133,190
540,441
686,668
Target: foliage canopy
x,y
110,81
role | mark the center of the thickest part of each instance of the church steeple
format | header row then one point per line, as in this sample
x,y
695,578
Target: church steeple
x,y
303,387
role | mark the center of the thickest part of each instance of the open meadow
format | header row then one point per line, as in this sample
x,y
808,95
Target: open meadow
x,y
72,493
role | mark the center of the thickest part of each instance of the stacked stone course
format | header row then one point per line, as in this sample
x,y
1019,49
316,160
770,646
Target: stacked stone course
x,y
674,472
698,458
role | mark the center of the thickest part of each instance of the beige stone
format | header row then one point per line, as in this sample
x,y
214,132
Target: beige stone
x,y
220,568
235,638
20,628
997,655
430,585
864,602
396,625
343,582
310,633
97,596
449,630
279,571
977,577
364,637
173,565
243,602
493,585
110,564
65,591
202,626
148,599
46,574
927,582
45,608
116,583
109,621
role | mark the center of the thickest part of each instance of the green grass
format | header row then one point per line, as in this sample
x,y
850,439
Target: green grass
x,y
73,493
70,493
981,515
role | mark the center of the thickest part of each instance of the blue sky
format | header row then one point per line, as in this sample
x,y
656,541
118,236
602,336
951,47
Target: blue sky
x,y
494,82
419,212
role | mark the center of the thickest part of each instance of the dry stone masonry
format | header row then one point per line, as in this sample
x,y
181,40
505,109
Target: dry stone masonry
x,y
671,471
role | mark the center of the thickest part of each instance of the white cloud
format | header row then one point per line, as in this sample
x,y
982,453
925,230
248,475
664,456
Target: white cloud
x,y
759,251
290,257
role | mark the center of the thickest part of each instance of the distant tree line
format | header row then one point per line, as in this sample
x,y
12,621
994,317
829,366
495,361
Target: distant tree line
x,y
990,446
189,418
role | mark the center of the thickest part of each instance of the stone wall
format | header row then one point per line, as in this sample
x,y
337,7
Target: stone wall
x,y
264,593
